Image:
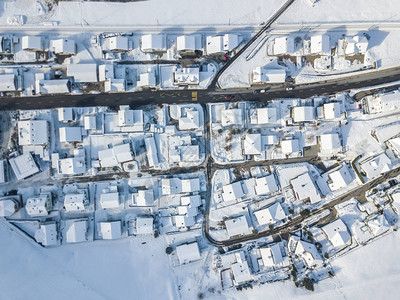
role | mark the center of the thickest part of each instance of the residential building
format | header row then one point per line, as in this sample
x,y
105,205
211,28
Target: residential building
x,y
33,132
305,189
39,206
268,75
109,230
337,233
154,43
23,166
76,202
47,234
188,253
270,215
70,134
76,231
237,226
83,73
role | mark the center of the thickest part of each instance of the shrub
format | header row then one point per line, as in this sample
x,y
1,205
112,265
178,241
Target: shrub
x,y
305,213
168,250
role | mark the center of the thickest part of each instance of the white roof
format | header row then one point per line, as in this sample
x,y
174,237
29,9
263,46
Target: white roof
x,y
7,208
23,166
284,45
65,114
33,132
37,206
170,186
63,46
332,110
266,115
270,139
270,215
54,86
320,44
75,202
147,79
237,226
187,76
46,234
70,134
290,146
32,43
187,210
356,44
376,165
118,43
75,231
305,189
385,133
303,113
83,72
109,200
144,225
194,200
90,122
231,117
330,141
337,233
190,121
378,224
340,178
2,171
230,41
214,44
232,192
186,43
190,153
190,185
271,256
144,197
188,252
184,221
252,144
265,185
7,82
151,151
153,43
268,75
129,117
241,272
115,155
110,230
72,165
308,252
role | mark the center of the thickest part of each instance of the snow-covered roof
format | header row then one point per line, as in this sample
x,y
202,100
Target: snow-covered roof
x,y
70,134
220,44
63,46
7,207
118,43
110,230
265,185
109,200
89,122
308,252
2,171
232,191
72,165
252,144
83,72
33,43
129,117
186,43
38,206
290,146
151,151
75,231
190,121
305,189
193,201
320,44
378,224
266,115
241,272
376,165
190,153
357,44
303,113
386,132
144,197
337,233
144,225
115,85
330,141
147,79
284,45
271,256
270,139
268,75
75,202
270,215
7,83
187,210
237,226
331,110
65,114
54,86
33,132
184,221
232,116
116,155
188,252
23,166
340,178
47,234
187,76
153,43
231,41
190,185
395,144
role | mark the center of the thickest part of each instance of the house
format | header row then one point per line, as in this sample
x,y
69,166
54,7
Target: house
x,y
116,155
144,225
270,215
340,178
23,166
331,110
76,202
188,44
251,144
265,185
70,134
9,205
305,189
65,114
376,165
190,153
290,146
187,76
188,252
222,44
154,43
118,43
83,73
271,256
90,122
47,234
33,132
378,224
268,75
283,45
262,116
240,269
330,142
76,231
39,206
190,121
151,151
303,114
309,253
8,83
109,230
356,45
147,79
115,85
143,198
182,221
32,43
232,116
71,165
109,199
232,192
54,86
191,185
237,226
63,46
129,117
337,233
320,44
